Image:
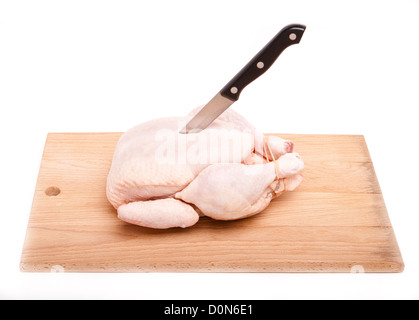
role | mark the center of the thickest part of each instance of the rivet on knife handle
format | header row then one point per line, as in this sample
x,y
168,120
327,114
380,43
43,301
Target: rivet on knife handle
x,y
262,61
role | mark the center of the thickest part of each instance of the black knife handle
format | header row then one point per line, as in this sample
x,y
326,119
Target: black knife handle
x,y
261,62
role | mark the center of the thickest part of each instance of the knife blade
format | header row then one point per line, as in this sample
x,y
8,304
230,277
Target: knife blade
x,y
260,63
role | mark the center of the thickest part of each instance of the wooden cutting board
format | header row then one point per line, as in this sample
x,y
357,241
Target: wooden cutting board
x,y
336,221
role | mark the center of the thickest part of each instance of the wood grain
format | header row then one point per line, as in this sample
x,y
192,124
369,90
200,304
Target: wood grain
x,y
336,221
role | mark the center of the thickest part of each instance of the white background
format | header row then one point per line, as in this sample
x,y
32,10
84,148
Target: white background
x,y
101,66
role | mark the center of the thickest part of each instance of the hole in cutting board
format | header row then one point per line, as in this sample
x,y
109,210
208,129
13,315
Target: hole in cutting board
x,y
52,191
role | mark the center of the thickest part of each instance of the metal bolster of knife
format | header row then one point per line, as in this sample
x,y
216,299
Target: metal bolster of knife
x,y
263,60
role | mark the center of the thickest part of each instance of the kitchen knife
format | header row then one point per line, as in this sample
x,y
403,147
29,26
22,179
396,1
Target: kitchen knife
x,y
261,62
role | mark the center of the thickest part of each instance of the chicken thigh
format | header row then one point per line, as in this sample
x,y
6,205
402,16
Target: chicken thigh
x,y
161,179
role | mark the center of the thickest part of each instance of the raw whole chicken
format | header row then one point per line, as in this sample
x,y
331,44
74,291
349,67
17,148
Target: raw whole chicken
x,y
160,178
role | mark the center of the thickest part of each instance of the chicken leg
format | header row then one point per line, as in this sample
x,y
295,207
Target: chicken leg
x,y
229,191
